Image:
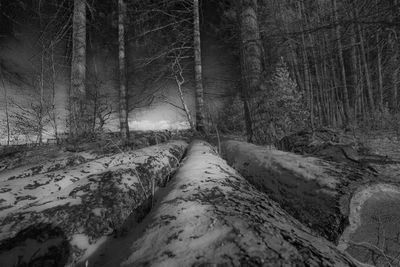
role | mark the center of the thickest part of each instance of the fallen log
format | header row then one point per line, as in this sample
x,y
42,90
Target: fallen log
x,y
214,217
20,190
64,227
323,195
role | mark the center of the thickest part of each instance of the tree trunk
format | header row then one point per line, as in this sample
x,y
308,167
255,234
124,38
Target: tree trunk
x,y
198,69
395,73
306,67
380,75
41,103
394,60
354,71
342,67
53,98
183,102
78,72
250,58
123,97
366,69
218,219
6,107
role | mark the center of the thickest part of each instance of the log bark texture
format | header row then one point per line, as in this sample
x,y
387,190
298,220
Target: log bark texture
x,y
87,204
214,217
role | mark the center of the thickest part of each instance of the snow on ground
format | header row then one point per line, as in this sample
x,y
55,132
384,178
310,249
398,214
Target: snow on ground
x,y
91,201
212,216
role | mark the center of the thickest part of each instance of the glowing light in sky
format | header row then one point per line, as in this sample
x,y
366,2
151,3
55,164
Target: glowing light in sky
x,y
146,125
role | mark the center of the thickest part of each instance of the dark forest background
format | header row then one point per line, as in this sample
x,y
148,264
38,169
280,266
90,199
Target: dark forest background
x,y
268,68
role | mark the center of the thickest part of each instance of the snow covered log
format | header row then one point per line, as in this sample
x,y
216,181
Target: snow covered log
x,y
60,161
35,160
107,197
327,196
315,191
214,217
18,190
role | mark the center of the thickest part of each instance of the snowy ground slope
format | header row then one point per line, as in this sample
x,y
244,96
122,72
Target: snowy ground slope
x,y
91,201
211,215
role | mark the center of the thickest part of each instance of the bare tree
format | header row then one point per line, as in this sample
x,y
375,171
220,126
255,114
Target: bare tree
x,y
77,96
198,69
180,80
123,103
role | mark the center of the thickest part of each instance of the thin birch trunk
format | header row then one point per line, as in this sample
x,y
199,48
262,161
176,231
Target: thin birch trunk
x,y
198,69
6,107
53,88
380,75
123,103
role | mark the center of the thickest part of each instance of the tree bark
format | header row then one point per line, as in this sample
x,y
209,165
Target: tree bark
x,y
306,66
123,96
41,99
77,96
379,69
354,71
250,58
366,68
53,98
6,106
346,104
395,74
394,60
198,69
